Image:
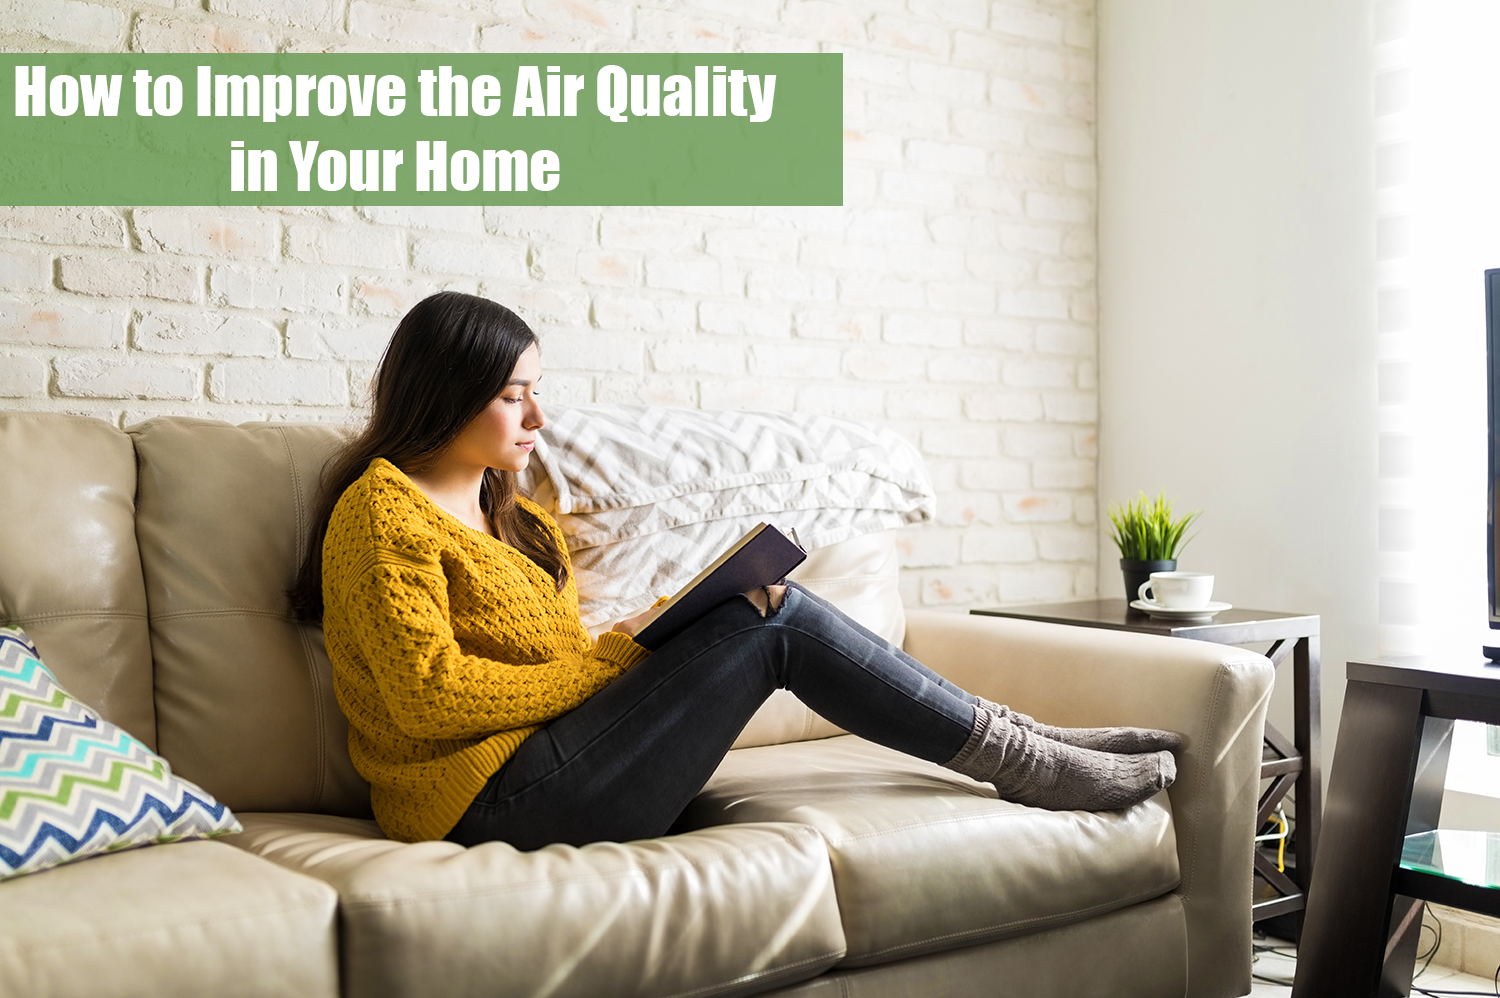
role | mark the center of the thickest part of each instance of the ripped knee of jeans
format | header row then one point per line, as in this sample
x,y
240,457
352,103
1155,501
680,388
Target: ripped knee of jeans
x,y
767,599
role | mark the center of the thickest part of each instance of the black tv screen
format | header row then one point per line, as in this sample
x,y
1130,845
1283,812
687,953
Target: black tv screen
x,y
1492,323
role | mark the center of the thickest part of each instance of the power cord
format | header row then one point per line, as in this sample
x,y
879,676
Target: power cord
x,y
1437,932
1278,821
1289,952
1445,993
1437,929
1285,952
1425,957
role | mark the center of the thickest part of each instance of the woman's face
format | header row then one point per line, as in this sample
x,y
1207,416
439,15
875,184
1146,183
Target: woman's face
x,y
503,435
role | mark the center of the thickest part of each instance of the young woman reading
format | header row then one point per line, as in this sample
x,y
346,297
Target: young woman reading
x,y
480,709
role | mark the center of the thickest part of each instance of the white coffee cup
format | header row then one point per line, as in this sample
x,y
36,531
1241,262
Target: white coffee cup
x,y
1177,590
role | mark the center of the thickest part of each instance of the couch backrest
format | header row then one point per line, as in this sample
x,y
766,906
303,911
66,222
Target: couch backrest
x,y
70,573
244,694
154,583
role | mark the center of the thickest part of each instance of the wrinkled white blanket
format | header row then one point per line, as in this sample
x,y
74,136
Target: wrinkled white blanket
x,y
647,495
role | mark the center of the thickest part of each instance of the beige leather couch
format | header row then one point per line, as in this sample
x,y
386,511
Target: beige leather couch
x,y
149,566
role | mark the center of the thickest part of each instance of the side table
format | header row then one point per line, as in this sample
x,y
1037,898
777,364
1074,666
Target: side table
x,y
1286,760
1384,857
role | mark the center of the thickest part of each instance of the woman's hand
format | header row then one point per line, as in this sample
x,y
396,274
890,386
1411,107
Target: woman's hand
x,y
630,625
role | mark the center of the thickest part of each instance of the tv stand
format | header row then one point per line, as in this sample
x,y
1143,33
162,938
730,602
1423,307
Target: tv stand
x,y
1377,867
1492,652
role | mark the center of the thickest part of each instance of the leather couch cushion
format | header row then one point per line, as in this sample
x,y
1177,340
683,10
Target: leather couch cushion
x,y
244,694
722,912
191,918
925,859
1135,952
862,577
72,575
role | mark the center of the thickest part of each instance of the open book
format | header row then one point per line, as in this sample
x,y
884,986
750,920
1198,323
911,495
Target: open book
x,y
761,558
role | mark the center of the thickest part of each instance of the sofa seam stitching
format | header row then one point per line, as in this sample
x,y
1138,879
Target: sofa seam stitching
x,y
761,976
1102,907
933,823
58,614
1209,724
228,611
503,889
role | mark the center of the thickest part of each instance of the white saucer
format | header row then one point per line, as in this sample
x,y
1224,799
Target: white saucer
x,y
1171,613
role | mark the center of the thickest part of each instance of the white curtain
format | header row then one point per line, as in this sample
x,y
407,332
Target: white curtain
x,y
1437,168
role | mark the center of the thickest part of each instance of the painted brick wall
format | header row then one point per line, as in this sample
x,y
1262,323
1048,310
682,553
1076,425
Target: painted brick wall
x,y
952,297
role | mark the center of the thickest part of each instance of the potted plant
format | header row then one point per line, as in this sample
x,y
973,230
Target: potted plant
x,y
1148,538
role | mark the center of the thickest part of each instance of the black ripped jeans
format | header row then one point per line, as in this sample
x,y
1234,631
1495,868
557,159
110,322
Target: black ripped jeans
x,y
625,763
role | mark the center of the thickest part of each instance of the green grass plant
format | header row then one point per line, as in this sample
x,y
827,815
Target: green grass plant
x,y
1146,531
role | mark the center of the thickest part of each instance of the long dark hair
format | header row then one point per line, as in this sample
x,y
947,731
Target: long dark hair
x,y
450,356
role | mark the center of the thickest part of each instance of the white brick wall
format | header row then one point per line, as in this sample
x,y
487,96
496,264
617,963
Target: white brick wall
x,y
951,297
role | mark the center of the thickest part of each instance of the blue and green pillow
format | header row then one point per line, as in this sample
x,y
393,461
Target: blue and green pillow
x,y
74,785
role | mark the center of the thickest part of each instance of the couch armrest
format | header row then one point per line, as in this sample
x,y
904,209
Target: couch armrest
x,y
1214,695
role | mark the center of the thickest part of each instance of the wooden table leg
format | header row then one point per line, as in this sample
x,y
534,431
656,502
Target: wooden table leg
x,y
1349,902
1422,816
1307,697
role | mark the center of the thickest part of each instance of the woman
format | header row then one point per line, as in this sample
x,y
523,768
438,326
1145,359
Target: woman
x,y
479,708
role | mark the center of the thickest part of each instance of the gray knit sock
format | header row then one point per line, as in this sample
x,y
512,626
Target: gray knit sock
x,y
1034,770
1125,740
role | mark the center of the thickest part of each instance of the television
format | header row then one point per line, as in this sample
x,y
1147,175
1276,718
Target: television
x,y
1492,344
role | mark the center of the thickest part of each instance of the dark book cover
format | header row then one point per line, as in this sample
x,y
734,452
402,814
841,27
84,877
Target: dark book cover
x,y
761,558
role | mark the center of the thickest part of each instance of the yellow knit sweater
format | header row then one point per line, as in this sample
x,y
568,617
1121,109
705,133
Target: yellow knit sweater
x,y
449,648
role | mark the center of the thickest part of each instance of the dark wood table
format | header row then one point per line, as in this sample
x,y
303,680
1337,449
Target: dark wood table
x,y
1365,910
1287,761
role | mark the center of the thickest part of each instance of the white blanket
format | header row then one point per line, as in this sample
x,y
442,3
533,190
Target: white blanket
x,y
646,496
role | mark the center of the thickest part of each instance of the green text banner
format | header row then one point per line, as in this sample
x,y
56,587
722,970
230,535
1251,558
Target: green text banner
x,y
350,129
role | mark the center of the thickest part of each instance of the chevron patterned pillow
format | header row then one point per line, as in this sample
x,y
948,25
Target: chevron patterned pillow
x,y
73,785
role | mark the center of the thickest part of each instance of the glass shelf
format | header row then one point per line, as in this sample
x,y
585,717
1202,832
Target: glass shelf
x,y
1467,857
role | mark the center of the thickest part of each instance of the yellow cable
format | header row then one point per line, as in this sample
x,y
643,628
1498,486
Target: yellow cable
x,y
1281,846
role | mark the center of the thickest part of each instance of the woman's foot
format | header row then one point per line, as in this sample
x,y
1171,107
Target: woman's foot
x,y
1124,740
1029,768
